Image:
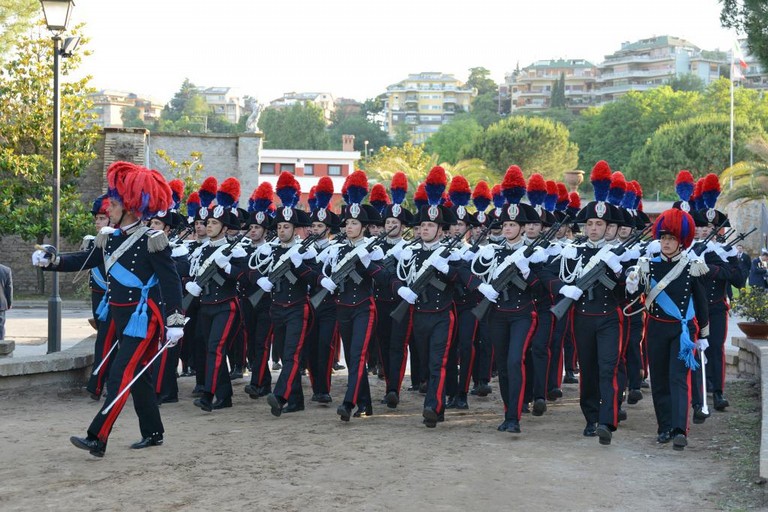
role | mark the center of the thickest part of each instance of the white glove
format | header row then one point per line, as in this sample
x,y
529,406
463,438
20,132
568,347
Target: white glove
x,y
693,257
702,344
40,259
613,261
365,258
570,291
406,254
377,254
539,255
554,250
440,263
522,265
265,250
239,252
633,282
222,261
193,288
296,259
569,252
310,254
328,284
179,251
396,251
265,284
407,295
487,252
629,255
488,291
653,248
174,335
468,256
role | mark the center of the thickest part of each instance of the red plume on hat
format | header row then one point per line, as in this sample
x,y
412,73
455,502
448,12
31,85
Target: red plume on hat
x,y
513,185
357,187
287,188
208,191
684,185
574,204
435,185
562,197
193,204
261,198
497,196
379,198
177,191
675,222
537,189
324,192
710,190
481,196
228,194
398,187
459,191
420,197
311,199
140,190
601,180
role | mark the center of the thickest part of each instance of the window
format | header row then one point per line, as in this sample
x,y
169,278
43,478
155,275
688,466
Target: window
x,y
334,170
309,169
288,168
267,168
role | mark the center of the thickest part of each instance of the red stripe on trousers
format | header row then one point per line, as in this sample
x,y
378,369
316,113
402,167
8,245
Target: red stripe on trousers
x,y
364,351
220,345
329,368
526,344
109,339
615,381
471,358
406,338
444,363
265,359
297,352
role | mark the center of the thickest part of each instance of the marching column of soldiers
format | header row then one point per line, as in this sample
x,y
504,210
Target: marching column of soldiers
x,y
517,281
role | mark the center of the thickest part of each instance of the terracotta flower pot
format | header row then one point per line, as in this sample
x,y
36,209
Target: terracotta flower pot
x,y
756,330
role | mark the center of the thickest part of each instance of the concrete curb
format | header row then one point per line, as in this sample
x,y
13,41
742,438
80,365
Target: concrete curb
x,y
751,354
67,368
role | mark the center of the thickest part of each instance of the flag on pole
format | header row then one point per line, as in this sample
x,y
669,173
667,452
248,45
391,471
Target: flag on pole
x,y
736,73
738,56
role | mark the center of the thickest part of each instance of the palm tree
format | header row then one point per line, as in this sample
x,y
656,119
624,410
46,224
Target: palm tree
x,y
748,179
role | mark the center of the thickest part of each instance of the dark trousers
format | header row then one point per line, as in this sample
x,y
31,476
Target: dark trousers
x,y
290,326
461,356
432,333
132,355
481,372
220,322
537,365
598,340
556,359
670,378
397,347
634,353
718,332
2,324
105,340
319,349
188,342
384,330
356,328
237,350
166,385
569,347
511,334
259,327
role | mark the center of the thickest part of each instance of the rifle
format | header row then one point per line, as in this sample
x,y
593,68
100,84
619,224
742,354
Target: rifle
x,y
282,269
346,268
510,273
597,274
210,273
699,247
738,239
476,243
426,277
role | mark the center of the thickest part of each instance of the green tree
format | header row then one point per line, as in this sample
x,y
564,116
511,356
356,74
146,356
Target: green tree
x,y
16,18
557,99
132,117
185,101
750,176
560,115
536,145
473,170
687,82
190,171
295,127
402,135
700,144
480,79
749,17
410,159
485,109
451,138
26,128
362,129
748,104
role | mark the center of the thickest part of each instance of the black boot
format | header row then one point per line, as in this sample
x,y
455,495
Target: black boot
x,y
699,416
392,399
484,389
151,440
570,378
461,401
275,404
634,396
344,411
720,402
93,445
430,417
539,406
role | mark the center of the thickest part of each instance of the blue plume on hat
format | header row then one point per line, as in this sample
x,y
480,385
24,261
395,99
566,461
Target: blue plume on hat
x,y
435,185
357,187
601,180
513,185
286,189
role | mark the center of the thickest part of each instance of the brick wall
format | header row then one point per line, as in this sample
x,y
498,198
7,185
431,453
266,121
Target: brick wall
x,y
17,254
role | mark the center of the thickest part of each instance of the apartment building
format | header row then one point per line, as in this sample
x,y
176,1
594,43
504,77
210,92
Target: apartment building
x,y
530,88
324,100
423,102
756,75
108,104
225,101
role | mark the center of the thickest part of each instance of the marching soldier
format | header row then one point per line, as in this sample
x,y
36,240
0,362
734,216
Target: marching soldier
x,y
141,275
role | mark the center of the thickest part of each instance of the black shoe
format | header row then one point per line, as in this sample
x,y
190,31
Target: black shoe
x,y
94,396
276,407
461,402
484,389
293,407
590,430
222,404
314,397
324,398
720,402
450,403
169,399
413,388
344,411
392,400
303,372
513,426
474,391
634,396
604,433
363,410
430,417
276,366
153,440
554,394
252,391
576,370
236,373
423,388
679,442
664,437
337,367
503,426
539,406
94,446
203,403
644,385
570,378
197,392
699,416
622,415
526,408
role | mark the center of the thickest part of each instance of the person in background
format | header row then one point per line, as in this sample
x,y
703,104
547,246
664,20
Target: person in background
x,y
759,270
745,262
6,296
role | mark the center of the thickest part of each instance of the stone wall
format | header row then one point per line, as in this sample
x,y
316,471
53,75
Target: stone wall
x,y
743,217
223,155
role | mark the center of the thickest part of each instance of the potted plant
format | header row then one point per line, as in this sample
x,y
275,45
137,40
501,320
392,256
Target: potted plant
x,y
752,304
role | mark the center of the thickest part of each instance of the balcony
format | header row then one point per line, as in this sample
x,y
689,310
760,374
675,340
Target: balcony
x,y
613,61
605,77
618,89
449,99
535,94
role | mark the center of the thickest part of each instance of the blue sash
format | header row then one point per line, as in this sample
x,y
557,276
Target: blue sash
x,y
139,322
670,308
102,310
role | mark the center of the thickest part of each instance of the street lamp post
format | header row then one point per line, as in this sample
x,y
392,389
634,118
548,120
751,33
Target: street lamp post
x,y
365,153
57,14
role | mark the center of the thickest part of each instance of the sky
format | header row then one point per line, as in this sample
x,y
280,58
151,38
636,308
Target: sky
x,y
355,49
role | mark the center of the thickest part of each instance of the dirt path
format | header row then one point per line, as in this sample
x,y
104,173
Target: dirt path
x,y
243,458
